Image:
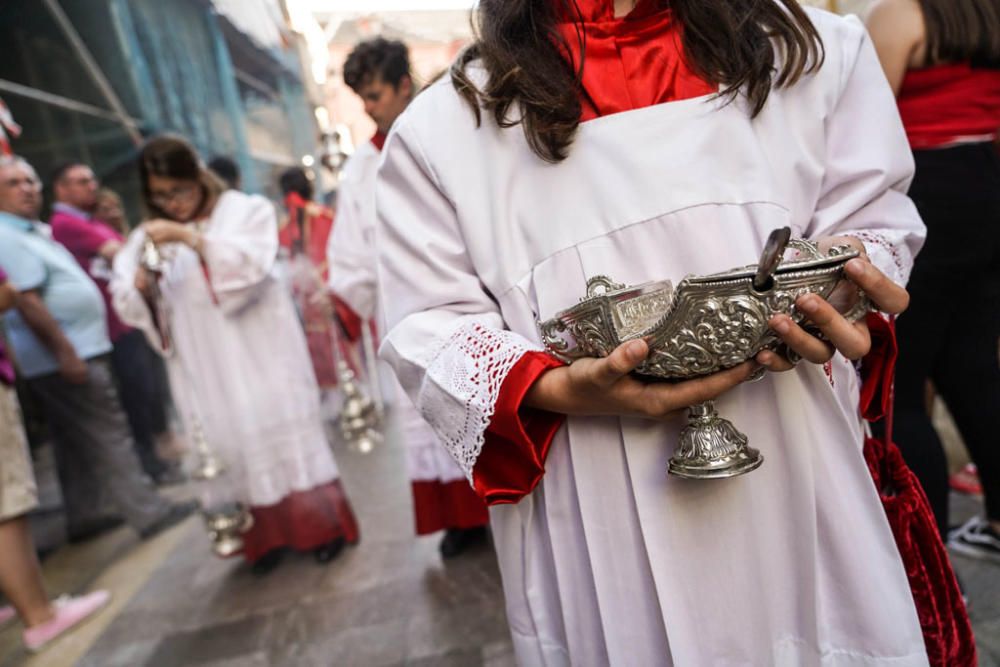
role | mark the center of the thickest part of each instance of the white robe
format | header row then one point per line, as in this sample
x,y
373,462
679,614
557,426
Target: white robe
x,y
351,257
241,367
609,560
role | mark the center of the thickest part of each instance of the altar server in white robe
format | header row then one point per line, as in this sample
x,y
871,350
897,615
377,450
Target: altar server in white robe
x,y
378,70
236,355
587,138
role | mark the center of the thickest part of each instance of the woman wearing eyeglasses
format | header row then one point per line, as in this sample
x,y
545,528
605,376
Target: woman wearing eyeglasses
x,y
236,355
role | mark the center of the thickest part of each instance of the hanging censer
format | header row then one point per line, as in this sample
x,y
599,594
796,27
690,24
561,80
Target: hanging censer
x,y
359,416
226,519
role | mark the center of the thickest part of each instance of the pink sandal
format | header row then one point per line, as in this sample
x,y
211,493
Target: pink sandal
x,y
69,612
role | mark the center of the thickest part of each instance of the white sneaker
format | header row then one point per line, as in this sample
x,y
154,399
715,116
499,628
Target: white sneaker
x,y
976,538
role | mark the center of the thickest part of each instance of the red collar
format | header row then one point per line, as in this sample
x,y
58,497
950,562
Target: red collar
x,y
294,200
592,11
379,140
631,62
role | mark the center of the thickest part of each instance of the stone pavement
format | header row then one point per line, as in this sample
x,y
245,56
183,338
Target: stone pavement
x,y
390,600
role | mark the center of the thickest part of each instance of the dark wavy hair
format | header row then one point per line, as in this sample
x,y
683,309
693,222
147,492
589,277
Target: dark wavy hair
x,y
733,43
295,179
170,156
387,59
963,30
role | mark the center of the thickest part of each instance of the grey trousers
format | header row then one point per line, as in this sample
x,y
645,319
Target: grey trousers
x,y
94,450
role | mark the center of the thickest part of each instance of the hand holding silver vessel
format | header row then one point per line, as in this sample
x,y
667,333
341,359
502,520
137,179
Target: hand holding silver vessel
x,y
707,336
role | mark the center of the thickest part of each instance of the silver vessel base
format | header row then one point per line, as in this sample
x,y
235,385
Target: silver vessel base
x,y
712,448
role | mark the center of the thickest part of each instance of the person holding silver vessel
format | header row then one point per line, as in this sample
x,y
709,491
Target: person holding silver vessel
x,y
237,359
649,141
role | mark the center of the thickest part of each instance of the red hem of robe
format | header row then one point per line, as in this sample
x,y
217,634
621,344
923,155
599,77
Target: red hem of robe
x,y
303,520
441,505
517,441
350,322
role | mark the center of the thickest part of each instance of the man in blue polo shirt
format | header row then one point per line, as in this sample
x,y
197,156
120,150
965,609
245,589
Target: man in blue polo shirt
x,y
60,341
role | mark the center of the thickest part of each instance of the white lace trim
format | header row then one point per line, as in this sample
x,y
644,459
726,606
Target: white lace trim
x,y
888,251
462,383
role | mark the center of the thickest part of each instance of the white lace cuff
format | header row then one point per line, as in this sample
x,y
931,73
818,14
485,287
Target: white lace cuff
x,y
887,250
463,380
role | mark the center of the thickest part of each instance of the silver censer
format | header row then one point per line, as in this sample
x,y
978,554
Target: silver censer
x,y
706,325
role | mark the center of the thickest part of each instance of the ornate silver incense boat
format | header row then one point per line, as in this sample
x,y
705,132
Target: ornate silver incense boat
x,y
705,325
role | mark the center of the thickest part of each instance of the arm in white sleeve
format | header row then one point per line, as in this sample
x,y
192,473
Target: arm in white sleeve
x,y
447,340
350,250
240,251
869,167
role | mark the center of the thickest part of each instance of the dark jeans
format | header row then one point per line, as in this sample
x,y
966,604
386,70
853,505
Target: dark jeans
x,y
951,331
139,387
94,451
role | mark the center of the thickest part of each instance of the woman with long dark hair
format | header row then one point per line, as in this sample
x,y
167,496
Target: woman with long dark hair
x,y
942,57
643,141
236,355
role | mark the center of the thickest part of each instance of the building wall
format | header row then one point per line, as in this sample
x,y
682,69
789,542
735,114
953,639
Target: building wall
x,y
172,68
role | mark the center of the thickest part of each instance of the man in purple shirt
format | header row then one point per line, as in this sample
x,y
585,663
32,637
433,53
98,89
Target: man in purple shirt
x,y
94,245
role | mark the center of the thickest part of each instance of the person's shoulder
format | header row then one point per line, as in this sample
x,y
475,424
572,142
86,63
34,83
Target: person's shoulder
x,y
838,33
237,205
316,210
439,107
905,14
17,252
842,39
12,239
364,160
366,152
63,221
898,24
236,199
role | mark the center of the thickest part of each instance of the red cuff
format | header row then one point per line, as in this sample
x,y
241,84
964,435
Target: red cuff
x,y
878,368
518,438
350,323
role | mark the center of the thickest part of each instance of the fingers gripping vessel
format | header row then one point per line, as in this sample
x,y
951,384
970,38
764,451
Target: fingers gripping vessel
x,y
705,325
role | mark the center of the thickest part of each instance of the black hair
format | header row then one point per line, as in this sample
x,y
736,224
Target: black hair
x,y
171,156
226,169
748,47
963,30
61,169
295,179
377,58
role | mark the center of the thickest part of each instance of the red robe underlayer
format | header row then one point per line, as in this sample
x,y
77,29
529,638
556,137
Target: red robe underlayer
x,y
309,239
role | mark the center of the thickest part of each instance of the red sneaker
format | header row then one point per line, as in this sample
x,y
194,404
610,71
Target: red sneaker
x,y
967,481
